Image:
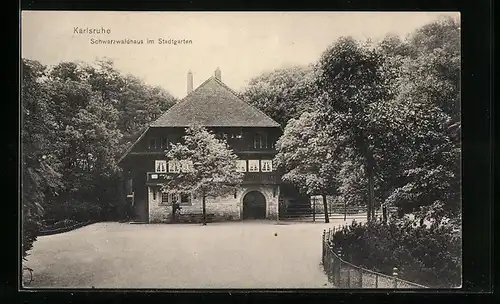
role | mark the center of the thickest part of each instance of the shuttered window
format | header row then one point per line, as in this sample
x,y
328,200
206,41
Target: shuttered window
x,y
160,166
266,165
253,165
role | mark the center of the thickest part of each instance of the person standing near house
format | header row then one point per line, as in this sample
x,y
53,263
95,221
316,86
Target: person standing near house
x,y
176,209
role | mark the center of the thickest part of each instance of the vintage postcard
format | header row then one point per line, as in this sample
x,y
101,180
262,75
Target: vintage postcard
x,y
255,150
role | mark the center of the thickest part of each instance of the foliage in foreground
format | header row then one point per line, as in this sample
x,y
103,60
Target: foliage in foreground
x,y
428,254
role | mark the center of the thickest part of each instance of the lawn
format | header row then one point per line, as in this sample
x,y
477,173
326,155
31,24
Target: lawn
x,y
219,255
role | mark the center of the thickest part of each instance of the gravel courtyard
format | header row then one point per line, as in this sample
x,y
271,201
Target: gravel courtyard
x,y
219,255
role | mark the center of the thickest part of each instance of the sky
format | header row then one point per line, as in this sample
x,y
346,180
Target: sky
x,y
242,44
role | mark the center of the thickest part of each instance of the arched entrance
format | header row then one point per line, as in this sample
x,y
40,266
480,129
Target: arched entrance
x,y
254,205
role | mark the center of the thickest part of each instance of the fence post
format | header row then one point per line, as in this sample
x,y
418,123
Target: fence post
x,y
323,246
376,281
314,209
331,261
339,266
395,275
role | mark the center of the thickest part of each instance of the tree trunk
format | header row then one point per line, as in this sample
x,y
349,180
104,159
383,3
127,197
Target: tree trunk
x,y
368,208
371,192
345,210
384,214
363,145
325,206
174,211
314,209
374,209
204,210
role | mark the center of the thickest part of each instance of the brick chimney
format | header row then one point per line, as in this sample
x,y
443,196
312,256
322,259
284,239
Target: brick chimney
x,y
218,74
189,82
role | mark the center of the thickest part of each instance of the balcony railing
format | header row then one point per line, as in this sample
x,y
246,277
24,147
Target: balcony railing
x,y
156,178
248,178
260,178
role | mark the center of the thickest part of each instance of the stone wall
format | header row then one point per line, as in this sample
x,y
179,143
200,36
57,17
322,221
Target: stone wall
x,y
224,208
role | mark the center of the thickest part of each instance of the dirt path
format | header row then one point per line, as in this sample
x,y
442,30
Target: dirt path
x,y
226,255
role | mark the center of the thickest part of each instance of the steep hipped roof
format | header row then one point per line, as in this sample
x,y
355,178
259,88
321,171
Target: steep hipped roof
x,y
213,104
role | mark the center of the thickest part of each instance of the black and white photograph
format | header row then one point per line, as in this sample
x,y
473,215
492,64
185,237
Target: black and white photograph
x,y
240,150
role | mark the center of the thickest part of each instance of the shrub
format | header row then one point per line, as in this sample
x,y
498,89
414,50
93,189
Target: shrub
x,y
429,256
32,224
115,210
77,210
159,215
62,224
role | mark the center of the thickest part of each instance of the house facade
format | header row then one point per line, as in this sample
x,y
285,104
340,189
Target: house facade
x,y
249,132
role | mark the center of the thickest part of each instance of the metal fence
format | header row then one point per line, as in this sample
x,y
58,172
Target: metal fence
x,y
343,274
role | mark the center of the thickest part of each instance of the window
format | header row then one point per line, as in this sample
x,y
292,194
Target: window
x,y
165,143
260,141
174,166
241,165
160,166
153,144
263,143
186,165
256,141
253,165
164,198
169,198
185,199
266,165
154,193
238,134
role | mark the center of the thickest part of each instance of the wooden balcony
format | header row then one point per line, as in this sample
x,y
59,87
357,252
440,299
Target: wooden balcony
x,y
267,178
156,178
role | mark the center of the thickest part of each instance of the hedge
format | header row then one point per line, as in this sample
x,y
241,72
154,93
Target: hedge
x,y
429,256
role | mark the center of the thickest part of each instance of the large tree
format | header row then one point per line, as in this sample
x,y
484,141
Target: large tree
x,y
40,165
137,104
425,121
88,144
283,93
208,166
89,113
351,79
308,156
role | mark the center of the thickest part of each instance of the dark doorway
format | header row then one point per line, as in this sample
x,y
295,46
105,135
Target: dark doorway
x,y
254,205
141,212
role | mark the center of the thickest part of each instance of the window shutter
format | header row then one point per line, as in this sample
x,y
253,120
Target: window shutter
x,y
253,165
267,165
173,166
241,165
160,166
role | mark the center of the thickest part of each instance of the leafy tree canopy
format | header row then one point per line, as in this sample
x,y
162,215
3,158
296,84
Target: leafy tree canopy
x,y
282,94
208,165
